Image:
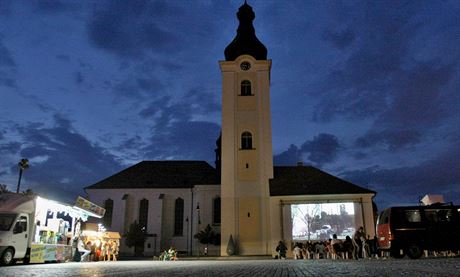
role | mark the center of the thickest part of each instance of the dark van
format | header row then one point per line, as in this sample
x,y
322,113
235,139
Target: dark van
x,y
410,230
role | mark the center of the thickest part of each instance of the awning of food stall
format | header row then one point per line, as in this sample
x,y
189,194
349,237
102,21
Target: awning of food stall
x,y
112,235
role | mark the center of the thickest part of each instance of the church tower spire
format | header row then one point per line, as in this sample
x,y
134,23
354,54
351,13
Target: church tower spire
x,y
246,41
247,160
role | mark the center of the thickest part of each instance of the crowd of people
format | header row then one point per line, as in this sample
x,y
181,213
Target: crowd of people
x,y
169,255
90,251
356,247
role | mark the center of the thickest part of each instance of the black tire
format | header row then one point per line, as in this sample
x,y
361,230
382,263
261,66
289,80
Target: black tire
x,y
7,257
396,253
26,259
414,251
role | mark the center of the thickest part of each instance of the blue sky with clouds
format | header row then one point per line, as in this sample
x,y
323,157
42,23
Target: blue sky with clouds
x,y
365,90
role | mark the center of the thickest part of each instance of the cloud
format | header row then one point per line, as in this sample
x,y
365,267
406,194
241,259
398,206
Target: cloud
x,y
322,149
174,123
359,86
131,30
54,6
5,7
405,184
138,86
6,58
79,79
393,139
64,58
421,95
423,99
69,156
405,94
340,39
7,148
7,66
179,141
289,157
196,101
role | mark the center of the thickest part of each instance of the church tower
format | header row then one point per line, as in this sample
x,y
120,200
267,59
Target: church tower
x,y
247,160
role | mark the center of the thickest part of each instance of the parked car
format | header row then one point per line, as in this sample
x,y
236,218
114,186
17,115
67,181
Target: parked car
x,y
410,230
325,232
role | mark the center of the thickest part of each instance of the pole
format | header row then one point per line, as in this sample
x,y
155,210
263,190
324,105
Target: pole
x,y
191,224
186,220
19,181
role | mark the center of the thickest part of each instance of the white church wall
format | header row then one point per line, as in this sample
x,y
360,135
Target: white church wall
x,y
205,195
160,224
167,224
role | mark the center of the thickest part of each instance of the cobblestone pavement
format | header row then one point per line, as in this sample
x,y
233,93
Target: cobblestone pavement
x,y
390,267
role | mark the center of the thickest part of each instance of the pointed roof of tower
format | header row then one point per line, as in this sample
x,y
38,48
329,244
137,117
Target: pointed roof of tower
x,y
246,41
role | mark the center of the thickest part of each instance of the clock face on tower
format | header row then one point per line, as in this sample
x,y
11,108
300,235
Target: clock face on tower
x,y
245,66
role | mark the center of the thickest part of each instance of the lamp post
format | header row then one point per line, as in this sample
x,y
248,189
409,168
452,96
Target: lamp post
x,y
23,164
198,219
198,212
186,220
154,244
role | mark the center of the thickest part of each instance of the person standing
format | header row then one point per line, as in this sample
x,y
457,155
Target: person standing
x,y
81,248
281,249
114,250
297,252
358,238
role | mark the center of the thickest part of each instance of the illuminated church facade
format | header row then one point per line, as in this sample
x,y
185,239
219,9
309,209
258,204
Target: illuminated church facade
x,y
244,198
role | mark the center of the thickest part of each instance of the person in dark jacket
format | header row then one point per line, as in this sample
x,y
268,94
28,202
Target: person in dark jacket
x,y
281,249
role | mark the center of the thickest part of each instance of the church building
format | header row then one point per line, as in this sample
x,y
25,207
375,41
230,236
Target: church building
x,y
250,202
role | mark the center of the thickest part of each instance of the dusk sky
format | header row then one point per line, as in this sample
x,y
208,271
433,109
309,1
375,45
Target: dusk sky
x,y
368,91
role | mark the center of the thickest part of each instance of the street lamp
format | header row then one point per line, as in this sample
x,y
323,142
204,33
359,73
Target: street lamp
x,y
198,212
186,220
155,244
23,164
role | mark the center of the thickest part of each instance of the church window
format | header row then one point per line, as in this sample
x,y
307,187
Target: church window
x,y
143,213
245,88
216,211
108,206
179,217
246,140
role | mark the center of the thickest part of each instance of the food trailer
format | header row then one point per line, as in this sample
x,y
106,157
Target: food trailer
x,y
36,230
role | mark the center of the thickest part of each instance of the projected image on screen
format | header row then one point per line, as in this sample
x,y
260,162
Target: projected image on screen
x,y
321,221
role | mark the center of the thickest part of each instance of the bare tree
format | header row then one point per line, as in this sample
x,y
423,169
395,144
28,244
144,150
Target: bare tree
x,y
308,217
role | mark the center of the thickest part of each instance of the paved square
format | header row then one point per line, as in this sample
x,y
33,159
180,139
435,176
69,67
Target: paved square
x,y
390,267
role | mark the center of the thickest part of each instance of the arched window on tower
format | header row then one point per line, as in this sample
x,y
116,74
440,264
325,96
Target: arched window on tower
x,y
246,140
179,217
216,211
108,206
245,88
143,213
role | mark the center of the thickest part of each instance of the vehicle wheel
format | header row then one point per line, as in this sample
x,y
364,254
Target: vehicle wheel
x,y
396,253
26,259
7,257
414,251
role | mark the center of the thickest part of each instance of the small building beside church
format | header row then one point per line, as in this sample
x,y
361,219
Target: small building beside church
x,y
244,197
